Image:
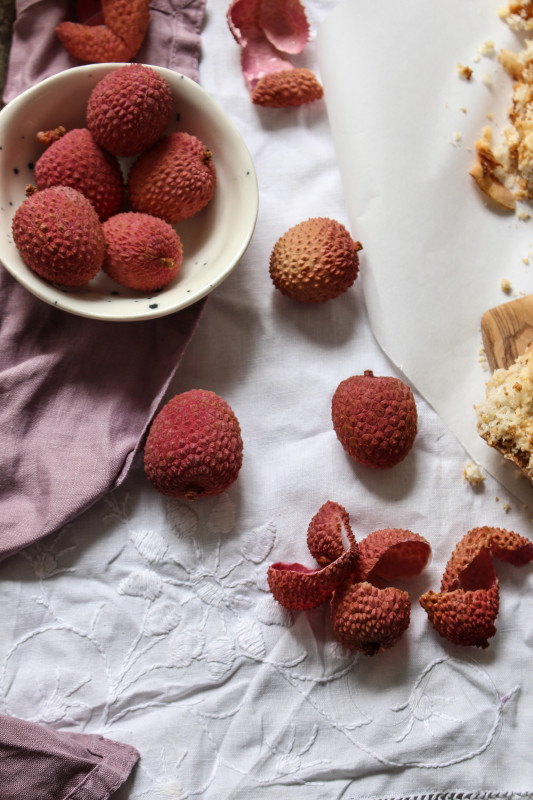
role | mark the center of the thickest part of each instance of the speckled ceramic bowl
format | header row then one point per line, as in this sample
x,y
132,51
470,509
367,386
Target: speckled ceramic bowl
x,y
213,240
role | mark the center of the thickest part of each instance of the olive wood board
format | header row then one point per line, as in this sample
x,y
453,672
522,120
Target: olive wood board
x,y
507,330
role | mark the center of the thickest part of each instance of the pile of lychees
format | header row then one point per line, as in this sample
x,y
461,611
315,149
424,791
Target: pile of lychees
x,y
83,215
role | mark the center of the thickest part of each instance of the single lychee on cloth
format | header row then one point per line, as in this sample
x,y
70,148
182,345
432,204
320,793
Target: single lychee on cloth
x,y
174,179
73,158
59,235
129,109
375,419
315,261
466,608
366,615
142,252
119,38
194,446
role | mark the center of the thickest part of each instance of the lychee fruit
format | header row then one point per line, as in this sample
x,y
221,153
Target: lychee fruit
x,y
315,260
74,159
142,252
59,235
194,446
375,419
129,109
118,39
174,180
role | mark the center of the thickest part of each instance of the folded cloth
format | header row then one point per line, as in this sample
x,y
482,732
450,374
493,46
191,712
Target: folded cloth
x,y
40,763
78,394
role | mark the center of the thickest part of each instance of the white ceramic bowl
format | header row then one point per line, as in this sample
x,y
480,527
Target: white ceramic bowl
x,y
213,240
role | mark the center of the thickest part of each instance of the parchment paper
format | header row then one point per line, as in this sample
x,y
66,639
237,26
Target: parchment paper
x,y
404,124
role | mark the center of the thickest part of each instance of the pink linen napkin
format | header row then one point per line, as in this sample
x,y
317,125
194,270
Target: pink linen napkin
x,y
77,395
39,763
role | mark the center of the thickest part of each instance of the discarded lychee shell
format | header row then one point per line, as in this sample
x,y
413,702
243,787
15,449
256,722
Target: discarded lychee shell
x,y
286,88
324,534
393,553
465,609
375,419
297,587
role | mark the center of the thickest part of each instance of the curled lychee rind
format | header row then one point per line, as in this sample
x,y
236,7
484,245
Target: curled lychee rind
x,y
297,587
324,534
463,617
465,609
369,619
118,39
287,87
393,553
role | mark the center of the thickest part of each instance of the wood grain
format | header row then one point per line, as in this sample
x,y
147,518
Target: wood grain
x,y
507,330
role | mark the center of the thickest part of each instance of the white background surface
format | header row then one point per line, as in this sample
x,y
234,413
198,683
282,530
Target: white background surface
x,y
149,620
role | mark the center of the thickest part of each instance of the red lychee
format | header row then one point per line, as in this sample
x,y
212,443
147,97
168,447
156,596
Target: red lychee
x,y
174,180
142,252
375,419
129,109
59,235
194,446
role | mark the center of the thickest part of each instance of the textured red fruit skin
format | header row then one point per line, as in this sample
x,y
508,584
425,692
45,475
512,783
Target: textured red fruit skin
x,y
129,109
143,252
118,39
194,446
287,88
76,160
314,261
367,618
39,227
174,180
465,609
375,419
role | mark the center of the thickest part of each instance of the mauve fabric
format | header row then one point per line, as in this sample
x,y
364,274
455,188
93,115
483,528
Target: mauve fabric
x,y
39,763
77,395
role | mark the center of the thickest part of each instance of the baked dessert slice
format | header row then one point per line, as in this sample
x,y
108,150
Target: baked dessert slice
x,y
505,417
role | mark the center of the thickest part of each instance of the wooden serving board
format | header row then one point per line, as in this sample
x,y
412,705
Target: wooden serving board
x,y
507,330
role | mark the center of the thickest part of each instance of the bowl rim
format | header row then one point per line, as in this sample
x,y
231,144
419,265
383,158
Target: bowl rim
x,y
58,296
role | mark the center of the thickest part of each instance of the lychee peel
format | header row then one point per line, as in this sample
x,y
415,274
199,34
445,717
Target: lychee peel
x,y
375,419
173,180
143,252
129,109
314,261
59,235
74,159
365,616
325,533
393,553
194,446
118,39
369,619
465,609
287,88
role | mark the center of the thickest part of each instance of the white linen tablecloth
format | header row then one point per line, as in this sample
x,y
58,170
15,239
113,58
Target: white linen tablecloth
x,y
149,620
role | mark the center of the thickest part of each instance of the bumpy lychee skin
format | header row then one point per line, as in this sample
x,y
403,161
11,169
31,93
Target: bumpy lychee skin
x,y
142,252
74,159
315,260
194,446
129,109
367,618
59,236
174,180
286,88
375,419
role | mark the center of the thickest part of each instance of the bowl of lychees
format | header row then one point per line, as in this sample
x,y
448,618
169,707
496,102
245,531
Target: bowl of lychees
x,y
126,192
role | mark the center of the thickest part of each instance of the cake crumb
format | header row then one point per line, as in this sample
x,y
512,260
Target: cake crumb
x,y
487,79
464,71
524,215
487,48
473,474
506,507
505,285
